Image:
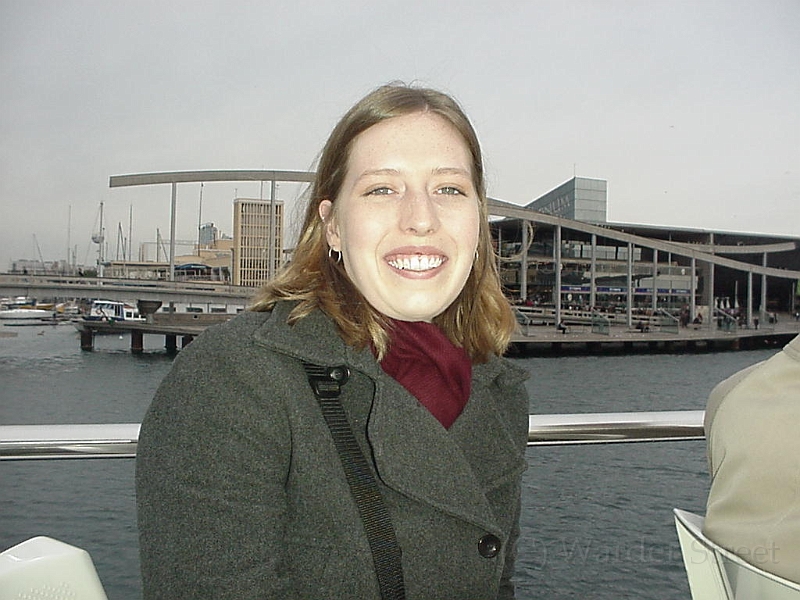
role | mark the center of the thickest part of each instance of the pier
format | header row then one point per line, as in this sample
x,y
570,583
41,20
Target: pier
x,y
171,326
581,339
530,340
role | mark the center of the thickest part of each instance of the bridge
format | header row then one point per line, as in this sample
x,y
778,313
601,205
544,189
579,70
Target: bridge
x,y
198,292
697,252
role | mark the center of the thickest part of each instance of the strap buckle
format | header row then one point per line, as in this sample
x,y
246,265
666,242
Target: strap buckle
x,y
326,382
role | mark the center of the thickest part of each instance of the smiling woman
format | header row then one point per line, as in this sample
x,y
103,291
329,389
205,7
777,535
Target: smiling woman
x,y
357,434
406,219
479,319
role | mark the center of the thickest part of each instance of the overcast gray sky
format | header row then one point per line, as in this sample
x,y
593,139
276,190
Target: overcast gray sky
x,y
689,109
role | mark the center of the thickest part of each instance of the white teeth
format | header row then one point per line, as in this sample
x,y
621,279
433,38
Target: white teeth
x,y
417,263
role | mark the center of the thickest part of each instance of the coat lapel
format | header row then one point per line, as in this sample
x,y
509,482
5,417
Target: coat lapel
x,y
452,470
416,456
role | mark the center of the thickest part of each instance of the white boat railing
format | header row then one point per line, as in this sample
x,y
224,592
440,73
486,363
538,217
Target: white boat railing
x,y
26,442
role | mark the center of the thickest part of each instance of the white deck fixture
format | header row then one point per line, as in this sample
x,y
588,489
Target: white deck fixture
x,y
42,567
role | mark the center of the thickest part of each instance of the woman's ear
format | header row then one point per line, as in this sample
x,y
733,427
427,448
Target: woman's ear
x,y
331,228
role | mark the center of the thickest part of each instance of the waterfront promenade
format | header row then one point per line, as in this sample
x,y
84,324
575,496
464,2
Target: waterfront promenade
x,y
546,339
529,340
171,326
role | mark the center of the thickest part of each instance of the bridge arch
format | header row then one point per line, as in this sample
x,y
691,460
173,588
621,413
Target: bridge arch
x,y
175,177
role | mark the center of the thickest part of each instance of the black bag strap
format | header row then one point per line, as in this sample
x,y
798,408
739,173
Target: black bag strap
x,y
327,385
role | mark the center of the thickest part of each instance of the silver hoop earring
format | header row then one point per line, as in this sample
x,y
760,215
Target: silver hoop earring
x,y
338,255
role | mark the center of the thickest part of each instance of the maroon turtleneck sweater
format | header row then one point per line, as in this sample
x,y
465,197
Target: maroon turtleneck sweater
x,y
430,367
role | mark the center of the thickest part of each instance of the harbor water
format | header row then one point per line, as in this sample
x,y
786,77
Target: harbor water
x,y
596,519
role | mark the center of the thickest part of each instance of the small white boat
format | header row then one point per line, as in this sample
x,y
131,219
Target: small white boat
x,y
19,314
22,307
109,310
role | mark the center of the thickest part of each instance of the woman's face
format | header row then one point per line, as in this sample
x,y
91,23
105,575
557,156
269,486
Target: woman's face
x,y
407,216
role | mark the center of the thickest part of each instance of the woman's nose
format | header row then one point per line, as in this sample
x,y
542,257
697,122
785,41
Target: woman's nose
x,y
419,214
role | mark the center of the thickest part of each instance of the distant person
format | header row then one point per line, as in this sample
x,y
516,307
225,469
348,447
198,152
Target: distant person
x,y
752,426
392,304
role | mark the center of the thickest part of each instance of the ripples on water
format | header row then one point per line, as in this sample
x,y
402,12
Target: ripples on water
x,y
596,521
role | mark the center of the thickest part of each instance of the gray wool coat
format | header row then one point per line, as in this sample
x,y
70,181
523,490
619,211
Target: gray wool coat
x,y
241,494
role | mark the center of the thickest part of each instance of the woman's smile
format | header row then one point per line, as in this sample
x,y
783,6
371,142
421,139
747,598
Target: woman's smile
x,y
422,261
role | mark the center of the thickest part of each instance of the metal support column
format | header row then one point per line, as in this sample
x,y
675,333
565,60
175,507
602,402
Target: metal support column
x,y
629,311
271,249
749,298
693,290
712,304
557,272
763,310
593,272
655,280
523,263
172,218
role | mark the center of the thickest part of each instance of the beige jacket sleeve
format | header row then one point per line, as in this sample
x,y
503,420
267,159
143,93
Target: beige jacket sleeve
x,y
753,431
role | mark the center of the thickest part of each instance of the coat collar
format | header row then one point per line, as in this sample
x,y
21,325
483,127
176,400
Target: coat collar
x,y
315,339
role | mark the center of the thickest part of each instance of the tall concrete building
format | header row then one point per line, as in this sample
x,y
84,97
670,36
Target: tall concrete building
x,y
257,240
208,235
580,199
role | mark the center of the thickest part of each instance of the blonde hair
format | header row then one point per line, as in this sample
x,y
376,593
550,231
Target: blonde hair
x,y
479,320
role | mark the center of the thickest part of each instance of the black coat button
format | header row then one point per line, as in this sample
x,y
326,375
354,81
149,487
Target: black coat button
x,y
489,546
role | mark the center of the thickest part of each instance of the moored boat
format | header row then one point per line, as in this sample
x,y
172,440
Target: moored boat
x,y
109,311
18,314
23,308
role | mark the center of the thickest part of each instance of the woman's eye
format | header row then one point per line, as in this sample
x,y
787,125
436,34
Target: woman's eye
x,y
450,190
380,191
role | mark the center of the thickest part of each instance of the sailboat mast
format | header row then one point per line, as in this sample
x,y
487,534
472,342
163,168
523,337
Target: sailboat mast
x,y
130,234
68,266
100,254
200,219
39,253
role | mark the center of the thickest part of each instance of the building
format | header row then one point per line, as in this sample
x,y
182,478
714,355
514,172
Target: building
x,y
125,269
41,267
579,199
567,254
257,240
207,236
